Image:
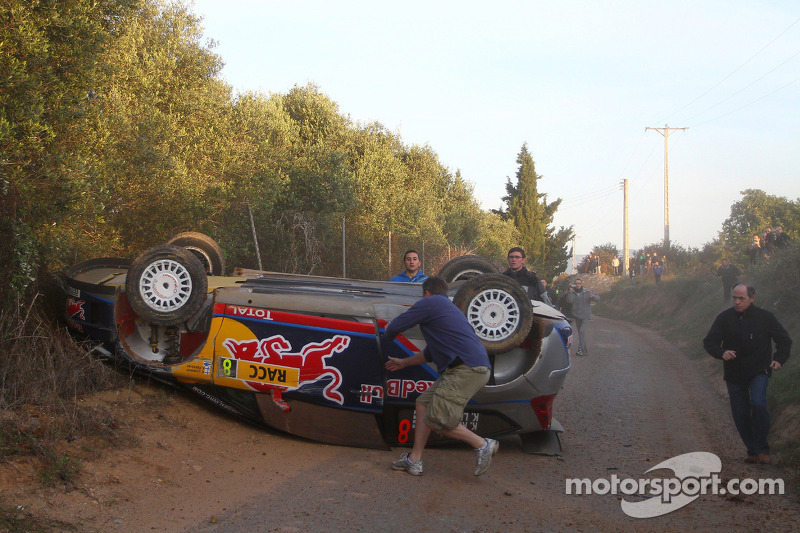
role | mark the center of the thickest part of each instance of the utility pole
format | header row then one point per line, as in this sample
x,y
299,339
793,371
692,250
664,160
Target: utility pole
x,y
574,258
665,132
625,242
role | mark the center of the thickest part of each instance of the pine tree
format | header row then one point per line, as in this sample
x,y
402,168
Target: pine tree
x,y
546,248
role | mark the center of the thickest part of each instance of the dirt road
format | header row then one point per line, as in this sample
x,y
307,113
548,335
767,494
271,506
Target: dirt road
x,y
634,402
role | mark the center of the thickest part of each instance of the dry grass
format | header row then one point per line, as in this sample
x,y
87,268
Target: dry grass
x,y
42,373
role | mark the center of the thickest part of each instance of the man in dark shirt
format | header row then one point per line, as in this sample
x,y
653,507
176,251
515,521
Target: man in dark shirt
x,y
781,238
742,337
529,280
463,366
730,277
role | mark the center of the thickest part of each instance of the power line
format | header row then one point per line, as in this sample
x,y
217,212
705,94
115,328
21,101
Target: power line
x,y
748,104
744,89
737,69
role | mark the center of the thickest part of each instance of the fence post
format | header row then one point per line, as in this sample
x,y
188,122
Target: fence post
x,y
344,242
255,240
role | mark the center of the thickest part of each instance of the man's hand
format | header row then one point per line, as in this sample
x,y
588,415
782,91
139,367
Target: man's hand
x,y
775,365
728,355
395,363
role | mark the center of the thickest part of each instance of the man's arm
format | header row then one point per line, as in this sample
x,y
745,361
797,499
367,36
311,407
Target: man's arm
x,y
713,340
408,319
542,292
782,340
397,363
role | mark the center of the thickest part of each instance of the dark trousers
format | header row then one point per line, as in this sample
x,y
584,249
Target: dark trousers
x,y
726,291
750,413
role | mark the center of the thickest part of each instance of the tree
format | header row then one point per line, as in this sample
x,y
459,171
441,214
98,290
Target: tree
x,y
528,209
49,60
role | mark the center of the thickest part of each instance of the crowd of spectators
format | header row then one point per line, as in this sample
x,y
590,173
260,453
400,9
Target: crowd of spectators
x,y
767,243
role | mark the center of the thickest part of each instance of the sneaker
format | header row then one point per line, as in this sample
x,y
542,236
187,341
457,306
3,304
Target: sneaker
x,y
484,456
404,463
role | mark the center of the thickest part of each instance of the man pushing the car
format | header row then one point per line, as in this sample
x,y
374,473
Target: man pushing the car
x,y
463,366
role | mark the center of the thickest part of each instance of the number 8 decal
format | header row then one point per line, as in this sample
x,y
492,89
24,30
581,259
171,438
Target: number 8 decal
x,y
403,430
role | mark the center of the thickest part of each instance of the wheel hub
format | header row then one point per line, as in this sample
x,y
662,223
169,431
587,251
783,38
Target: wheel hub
x,y
165,285
493,314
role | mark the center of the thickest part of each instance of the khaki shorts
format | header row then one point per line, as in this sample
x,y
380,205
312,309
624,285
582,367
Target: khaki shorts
x,y
446,399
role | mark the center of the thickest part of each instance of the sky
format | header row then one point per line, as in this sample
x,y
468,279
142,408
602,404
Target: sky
x,y
577,81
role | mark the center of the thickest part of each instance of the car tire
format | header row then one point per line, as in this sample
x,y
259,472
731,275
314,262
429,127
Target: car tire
x,y
166,285
204,248
498,309
466,267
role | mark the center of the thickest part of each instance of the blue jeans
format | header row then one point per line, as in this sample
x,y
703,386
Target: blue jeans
x,y
750,413
583,332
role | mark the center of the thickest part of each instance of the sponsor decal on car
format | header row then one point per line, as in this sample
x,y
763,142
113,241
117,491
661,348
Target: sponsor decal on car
x,y
401,388
75,309
269,363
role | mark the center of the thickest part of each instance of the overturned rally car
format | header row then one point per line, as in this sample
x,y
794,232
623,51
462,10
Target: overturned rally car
x,y
306,354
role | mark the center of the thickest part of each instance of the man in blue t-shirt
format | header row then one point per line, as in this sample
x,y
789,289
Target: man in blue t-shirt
x,y
463,366
412,272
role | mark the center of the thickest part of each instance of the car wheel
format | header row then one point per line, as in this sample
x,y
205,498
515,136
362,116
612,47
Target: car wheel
x,y
204,248
466,267
498,309
166,285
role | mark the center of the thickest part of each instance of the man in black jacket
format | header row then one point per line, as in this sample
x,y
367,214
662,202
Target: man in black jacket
x,y
742,337
529,280
730,277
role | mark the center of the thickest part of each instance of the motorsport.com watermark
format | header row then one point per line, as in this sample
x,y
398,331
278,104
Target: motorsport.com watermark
x,y
696,474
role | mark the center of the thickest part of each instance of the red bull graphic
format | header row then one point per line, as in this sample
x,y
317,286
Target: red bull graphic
x,y
75,309
403,388
269,365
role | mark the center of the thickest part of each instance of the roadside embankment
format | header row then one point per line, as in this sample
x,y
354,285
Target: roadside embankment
x,y
681,309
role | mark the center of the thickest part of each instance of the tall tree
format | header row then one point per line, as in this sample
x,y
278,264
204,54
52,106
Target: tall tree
x,y
546,247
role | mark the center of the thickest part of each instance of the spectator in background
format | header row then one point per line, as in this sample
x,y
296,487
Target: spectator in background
x,y
413,269
658,271
768,240
754,250
528,279
615,264
781,238
730,277
580,299
551,295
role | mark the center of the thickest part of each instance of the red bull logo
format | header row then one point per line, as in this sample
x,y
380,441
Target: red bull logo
x,y
273,366
75,309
